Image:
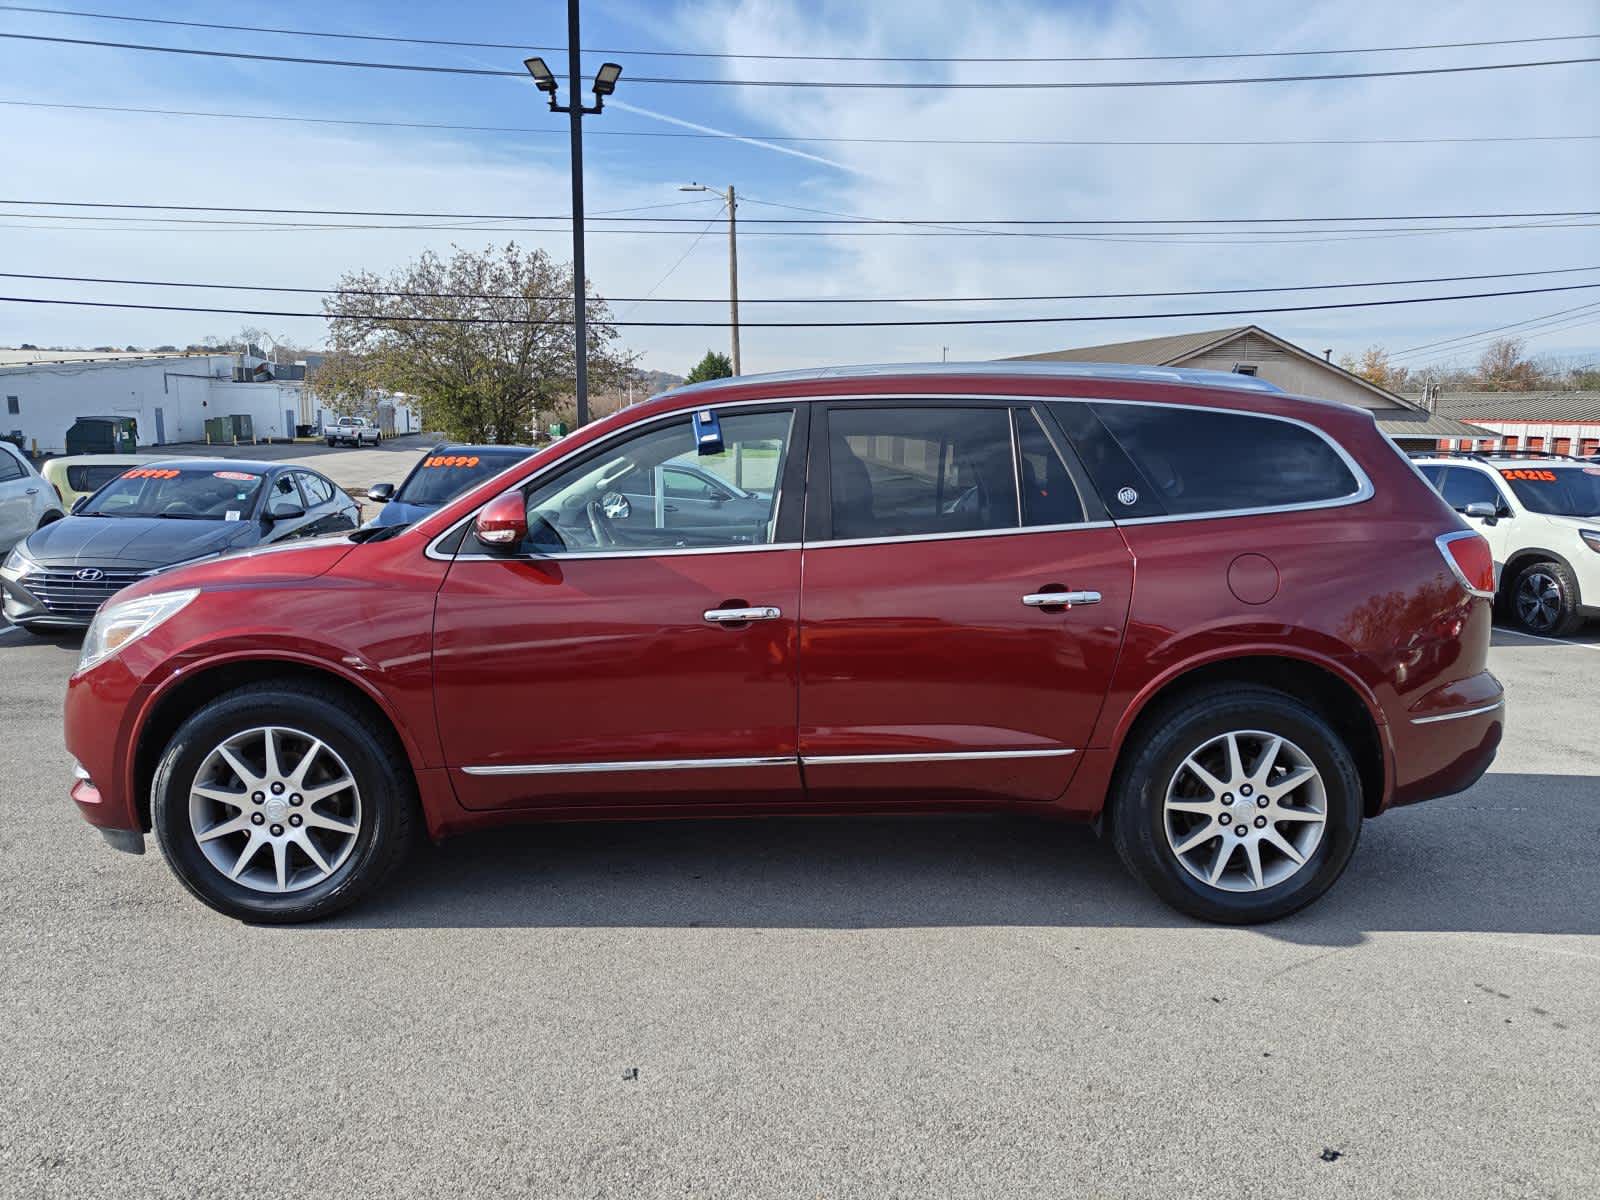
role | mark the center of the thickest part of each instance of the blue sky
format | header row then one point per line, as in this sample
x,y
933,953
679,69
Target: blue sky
x,y
84,155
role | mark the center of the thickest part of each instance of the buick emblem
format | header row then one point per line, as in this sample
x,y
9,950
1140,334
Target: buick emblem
x,y
91,574
1128,496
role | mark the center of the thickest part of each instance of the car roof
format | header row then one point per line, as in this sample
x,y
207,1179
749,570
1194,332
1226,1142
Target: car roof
x,y
1485,457
103,460
468,448
252,466
1188,376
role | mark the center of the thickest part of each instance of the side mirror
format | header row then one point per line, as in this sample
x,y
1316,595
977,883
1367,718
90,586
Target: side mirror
x,y
79,503
1482,509
502,524
381,493
286,511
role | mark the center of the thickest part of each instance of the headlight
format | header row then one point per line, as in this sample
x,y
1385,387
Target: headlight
x,y
18,563
115,625
1591,539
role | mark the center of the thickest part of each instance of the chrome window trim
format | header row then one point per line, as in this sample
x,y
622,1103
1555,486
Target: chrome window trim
x,y
654,764
1364,489
1457,716
839,760
789,760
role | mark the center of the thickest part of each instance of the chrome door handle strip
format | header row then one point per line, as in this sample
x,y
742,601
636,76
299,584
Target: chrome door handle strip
x,y
653,764
1060,599
836,760
733,616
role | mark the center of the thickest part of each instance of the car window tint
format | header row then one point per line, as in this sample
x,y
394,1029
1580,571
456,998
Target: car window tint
x,y
681,485
1048,495
1432,472
90,478
315,489
10,468
1464,486
1203,460
1124,490
898,472
607,502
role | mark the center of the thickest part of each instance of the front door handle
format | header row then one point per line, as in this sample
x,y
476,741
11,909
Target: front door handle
x,y
33,491
738,616
1060,599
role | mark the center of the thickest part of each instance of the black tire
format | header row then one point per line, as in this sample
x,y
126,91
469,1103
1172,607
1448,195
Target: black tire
x,y
1534,582
375,759
332,442
1153,757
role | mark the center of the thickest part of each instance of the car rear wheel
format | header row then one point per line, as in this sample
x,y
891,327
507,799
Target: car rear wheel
x,y
277,806
1544,600
1238,805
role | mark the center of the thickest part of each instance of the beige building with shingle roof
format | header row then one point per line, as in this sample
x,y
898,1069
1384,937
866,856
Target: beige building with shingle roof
x,y
1251,350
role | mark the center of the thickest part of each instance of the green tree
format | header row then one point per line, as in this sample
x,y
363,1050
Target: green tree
x,y
712,366
483,340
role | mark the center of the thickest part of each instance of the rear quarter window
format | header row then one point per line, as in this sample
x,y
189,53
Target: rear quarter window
x,y
1206,461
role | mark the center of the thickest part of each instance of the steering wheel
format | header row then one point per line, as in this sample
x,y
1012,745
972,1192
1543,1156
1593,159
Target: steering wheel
x,y
600,526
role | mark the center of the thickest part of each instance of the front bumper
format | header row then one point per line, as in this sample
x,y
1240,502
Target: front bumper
x,y
55,596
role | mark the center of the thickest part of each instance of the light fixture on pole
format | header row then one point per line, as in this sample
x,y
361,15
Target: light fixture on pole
x,y
605,83
732,201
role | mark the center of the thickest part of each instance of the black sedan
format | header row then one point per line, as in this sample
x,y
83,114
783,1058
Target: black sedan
x,y
160,515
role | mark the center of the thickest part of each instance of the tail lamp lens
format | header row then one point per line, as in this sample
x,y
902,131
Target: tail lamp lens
x,y
1470,560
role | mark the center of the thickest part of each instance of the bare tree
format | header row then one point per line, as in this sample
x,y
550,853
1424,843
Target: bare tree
x,y
483,340
1501,368
1374,366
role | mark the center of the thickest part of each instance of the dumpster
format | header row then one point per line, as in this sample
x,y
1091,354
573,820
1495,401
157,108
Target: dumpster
x,y
219,431
103,435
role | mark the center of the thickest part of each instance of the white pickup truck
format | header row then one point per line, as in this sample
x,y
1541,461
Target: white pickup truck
x,y
355,431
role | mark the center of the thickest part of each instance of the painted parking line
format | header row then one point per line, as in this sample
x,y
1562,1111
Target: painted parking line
x,y
1553,641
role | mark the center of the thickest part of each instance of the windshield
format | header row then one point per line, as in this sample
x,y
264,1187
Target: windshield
x,y
441,477
187,493
1557,491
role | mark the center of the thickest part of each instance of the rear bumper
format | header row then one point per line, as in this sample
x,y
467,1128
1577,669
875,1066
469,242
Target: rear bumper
x,y
1447,740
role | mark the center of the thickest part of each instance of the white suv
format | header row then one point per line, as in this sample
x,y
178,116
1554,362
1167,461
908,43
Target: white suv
x,y
1541,514
27,500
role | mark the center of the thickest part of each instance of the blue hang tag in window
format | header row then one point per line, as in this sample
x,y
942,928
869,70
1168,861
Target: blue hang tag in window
x,y
707,432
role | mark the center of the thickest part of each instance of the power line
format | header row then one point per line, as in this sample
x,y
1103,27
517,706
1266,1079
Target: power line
x,y
873,141
1577,318
826,217
1483,332
521,47
952,321
873,84
650,298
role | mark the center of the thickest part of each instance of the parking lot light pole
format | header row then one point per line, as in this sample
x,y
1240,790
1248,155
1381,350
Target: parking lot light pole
x,y
605,82
732,201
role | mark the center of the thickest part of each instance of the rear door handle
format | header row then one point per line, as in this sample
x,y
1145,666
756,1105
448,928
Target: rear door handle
x,y
33,491
1060,599
738,616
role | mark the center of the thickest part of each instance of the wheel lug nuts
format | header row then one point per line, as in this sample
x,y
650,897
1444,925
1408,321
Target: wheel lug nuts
x,y
1242,828
277,831
277,789
257,819
1261,801
1227,797
297,800
1245,790
257,797
1261,822
1224,819
295,819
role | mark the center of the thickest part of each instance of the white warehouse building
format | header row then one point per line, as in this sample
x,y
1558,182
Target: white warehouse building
x,y
171,396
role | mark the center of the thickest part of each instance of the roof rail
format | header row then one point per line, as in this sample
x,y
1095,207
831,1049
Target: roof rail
x,y
1486,455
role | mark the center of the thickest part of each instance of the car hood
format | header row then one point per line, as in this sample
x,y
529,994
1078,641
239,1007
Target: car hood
x,y
398,512
136,541
1572,523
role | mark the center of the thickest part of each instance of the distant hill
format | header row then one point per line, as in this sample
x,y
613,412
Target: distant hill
x,y
658,381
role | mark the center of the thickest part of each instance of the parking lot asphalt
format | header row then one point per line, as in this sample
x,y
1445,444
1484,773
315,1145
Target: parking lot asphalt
x,y
916,1007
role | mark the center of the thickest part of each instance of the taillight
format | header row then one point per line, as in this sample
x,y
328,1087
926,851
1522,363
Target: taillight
x,y
1469,559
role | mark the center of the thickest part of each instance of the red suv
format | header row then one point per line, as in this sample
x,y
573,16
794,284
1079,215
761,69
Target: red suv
x,y
1224,623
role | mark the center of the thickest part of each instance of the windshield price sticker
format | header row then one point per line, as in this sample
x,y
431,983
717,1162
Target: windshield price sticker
x,y
233,514
1527,476
451,460
150,473
239,476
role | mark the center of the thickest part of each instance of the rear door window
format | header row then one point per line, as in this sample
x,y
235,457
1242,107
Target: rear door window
x,y
1048,494
1206,461
900,472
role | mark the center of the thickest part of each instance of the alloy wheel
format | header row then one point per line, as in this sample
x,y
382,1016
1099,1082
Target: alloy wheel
x,y
1245,811
275,809
1539,600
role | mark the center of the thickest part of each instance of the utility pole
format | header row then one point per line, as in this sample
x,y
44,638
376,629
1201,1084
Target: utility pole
x,y
732,201
605,83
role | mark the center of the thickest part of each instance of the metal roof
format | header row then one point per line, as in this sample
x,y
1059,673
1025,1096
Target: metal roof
x,y
1009,368
1399,423
1583,407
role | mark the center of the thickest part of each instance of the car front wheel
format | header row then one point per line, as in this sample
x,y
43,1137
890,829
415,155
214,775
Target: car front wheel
x,y
276,805
1238,805
1544,600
